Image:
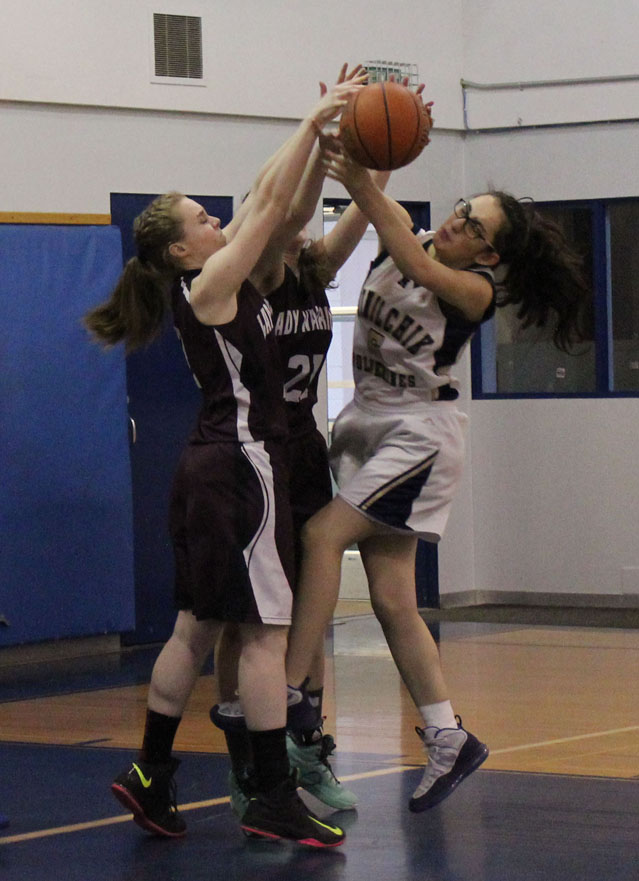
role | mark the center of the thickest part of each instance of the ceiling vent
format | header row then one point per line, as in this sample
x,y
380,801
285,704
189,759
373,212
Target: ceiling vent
x,y
178,46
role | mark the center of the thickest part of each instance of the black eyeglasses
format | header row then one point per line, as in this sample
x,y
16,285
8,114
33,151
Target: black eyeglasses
x,y
472,227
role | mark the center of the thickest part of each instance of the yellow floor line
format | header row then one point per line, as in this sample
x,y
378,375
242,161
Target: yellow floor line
x,y
192,806
96,824
364,775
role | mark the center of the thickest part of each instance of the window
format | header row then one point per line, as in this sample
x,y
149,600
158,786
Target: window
x,y
623,218
343,299
509,361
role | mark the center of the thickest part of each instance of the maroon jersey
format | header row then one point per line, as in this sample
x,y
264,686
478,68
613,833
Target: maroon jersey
x,y
230,514
236,365
303,328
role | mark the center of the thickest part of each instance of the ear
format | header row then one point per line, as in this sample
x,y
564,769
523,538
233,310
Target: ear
x,y
488,258
177,250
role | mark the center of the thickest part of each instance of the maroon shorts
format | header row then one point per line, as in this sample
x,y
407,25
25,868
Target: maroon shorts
x,y
310,477
232,532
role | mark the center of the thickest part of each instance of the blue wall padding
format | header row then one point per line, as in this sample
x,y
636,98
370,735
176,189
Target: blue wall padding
x,y
66,547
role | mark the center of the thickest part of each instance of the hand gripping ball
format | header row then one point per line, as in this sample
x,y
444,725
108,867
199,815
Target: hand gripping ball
x,y
385,126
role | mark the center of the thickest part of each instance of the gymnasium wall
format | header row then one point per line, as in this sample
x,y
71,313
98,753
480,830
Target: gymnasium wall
x,y
523,43
81,118
262,58
58,158
553,486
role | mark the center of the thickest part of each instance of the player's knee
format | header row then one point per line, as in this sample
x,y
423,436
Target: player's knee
x,y
197,637
391,608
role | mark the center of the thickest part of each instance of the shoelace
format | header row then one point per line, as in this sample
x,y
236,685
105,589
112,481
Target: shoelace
x,y
441,755
326,749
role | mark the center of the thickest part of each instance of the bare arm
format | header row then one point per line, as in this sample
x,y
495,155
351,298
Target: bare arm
x,y
269,270
214,290
467,291
341,241
240,215
303,204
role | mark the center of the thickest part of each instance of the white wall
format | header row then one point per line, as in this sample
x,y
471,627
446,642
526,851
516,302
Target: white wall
x,y
80,118
261,57
556,495
583,162
71,158
523,42
552,485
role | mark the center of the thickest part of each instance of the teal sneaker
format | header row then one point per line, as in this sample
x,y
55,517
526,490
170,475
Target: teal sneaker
x,y
241,790
315,774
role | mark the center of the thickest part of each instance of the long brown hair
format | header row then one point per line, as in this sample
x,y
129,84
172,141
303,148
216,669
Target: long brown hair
x,y
137,308
315,272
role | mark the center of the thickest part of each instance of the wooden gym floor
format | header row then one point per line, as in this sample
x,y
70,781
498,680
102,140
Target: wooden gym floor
x,y
558,797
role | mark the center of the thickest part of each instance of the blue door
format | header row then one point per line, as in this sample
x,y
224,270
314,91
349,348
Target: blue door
x,y
163,404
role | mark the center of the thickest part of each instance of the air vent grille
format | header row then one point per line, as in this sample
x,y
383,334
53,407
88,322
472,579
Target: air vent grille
x,y
178,45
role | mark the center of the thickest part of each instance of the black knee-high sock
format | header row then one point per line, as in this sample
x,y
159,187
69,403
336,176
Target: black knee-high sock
x,y
238,744
159,734
270,757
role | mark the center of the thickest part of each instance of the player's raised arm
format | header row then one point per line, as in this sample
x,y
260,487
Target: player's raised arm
x,y
224,271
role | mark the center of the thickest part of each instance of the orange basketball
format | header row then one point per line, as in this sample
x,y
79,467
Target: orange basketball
x,y
385,126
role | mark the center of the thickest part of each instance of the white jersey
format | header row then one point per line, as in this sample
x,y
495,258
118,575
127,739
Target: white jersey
x,y
406,338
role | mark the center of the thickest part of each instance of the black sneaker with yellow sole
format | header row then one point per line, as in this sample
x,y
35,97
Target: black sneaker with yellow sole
x,y
281,813
149,792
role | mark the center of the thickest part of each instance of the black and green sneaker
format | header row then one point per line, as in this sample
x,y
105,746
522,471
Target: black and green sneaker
x,y
241,788
281,813
149,792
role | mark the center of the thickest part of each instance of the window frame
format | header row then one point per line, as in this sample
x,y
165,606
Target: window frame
x,y
482,345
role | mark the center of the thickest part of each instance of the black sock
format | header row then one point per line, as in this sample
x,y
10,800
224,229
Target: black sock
x,y
239,746
270,757
159,734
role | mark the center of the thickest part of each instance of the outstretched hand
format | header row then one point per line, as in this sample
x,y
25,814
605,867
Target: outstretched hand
x,y
427,108
339,166
332,102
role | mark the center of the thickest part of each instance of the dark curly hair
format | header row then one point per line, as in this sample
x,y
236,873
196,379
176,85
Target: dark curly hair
x,y
544,277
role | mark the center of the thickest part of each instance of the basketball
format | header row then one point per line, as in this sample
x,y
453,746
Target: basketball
x,y
385,126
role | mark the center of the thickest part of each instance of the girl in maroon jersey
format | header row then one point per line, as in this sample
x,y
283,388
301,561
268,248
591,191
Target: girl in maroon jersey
x,y
295,275
230,516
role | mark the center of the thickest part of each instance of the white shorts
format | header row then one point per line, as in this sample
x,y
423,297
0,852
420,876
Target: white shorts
x,y
401,469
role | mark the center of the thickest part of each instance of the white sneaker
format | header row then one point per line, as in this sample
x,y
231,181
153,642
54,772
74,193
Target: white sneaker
x,y
453,754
